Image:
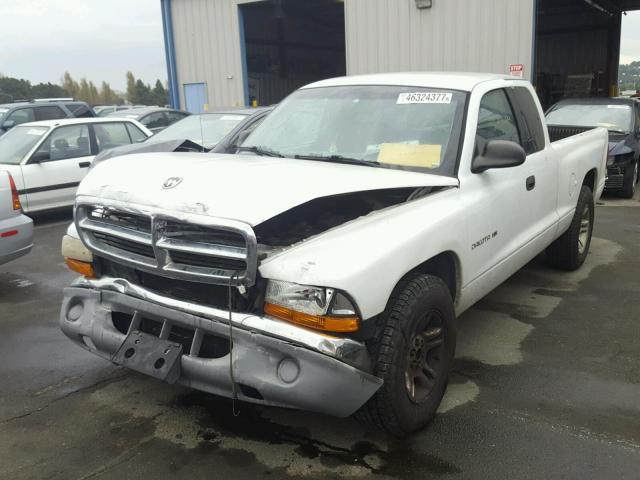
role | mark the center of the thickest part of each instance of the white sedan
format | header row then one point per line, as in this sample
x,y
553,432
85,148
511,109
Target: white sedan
x,y
48,159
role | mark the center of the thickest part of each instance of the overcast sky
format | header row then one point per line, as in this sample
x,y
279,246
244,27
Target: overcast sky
x,y
102,39
630,48
96,39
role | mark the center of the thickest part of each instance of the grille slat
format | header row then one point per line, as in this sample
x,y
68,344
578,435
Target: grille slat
x,y
204,249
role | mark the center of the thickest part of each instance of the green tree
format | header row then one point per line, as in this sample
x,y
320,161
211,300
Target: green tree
x,y
131,87
108,96
48,90
13,89
159,94
70,85
83,90
94,97
141,94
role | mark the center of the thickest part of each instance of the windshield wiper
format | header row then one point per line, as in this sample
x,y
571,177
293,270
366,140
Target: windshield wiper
x,y
267,152
338,159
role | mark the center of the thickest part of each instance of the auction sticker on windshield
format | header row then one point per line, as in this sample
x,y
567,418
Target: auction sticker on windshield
x,y
423,97
36,131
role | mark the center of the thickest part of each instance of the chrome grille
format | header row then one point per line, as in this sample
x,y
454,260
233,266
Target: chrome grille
x,y
192,247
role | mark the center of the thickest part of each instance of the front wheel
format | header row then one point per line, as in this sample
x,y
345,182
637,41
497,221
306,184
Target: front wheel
x,y
630,181
570,250
413,353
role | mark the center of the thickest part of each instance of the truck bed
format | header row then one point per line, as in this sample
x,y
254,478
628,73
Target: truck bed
x,y
559,132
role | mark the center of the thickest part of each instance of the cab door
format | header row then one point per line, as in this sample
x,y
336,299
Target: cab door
x,y
53,173
500,214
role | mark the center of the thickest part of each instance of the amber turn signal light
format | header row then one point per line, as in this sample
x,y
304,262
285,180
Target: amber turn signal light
x,y
83,268
325,323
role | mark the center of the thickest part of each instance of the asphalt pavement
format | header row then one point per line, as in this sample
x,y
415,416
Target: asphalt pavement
x,y
546,385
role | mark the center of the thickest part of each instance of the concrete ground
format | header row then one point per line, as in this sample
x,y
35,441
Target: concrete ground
x,y
546,385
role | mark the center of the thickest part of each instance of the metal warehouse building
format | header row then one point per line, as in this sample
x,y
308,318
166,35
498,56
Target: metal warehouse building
x,y
239,52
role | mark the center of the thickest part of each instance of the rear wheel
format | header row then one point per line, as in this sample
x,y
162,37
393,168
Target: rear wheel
x,y
630,181
570,250
413,353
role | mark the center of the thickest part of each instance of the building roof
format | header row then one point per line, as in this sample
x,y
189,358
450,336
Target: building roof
x,y
446,80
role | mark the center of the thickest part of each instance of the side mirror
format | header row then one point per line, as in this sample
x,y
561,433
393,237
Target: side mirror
x,y
8,124
40,156
499,154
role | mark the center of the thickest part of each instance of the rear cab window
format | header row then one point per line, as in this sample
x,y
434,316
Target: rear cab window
x,y
528,118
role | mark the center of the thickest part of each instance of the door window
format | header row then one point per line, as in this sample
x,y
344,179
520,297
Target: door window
x,y
173,117
49,113
22,115
135,133
154,120
109,135
529,118
496,120
66,142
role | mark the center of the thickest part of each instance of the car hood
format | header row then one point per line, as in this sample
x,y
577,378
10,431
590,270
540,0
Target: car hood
x,y
178,144
248,188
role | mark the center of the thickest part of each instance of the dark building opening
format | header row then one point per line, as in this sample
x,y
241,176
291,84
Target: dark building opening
x,y
577,47
289,43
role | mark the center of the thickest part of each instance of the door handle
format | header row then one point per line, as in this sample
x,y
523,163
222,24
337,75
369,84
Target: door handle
x,y
84,164
531,182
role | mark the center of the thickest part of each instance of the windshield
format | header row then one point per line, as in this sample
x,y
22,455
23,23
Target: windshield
x,y
205,129
613,117
18,141
387,126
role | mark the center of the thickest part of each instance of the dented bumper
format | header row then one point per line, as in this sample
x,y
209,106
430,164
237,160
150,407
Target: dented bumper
x,y
274,363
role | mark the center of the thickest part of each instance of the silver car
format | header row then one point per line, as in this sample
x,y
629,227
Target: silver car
x,y
16,229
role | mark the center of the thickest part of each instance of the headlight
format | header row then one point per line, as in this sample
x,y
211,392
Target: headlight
x,y
610,160
315,307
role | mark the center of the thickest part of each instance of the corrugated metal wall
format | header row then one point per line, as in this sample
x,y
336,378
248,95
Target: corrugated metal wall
x,y
454,35
381,36
207,43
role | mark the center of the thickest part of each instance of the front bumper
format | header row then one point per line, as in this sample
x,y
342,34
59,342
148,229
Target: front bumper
x,y
274,363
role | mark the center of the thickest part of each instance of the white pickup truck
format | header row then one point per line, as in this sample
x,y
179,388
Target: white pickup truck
x,y
322,267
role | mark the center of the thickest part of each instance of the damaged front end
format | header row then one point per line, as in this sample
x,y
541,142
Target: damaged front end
x,y
179,297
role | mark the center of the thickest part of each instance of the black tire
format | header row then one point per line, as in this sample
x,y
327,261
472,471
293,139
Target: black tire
x,y
570,250
630,181
419,306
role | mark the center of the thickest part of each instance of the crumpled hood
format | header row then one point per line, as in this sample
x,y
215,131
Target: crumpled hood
x,y
248,188
618,144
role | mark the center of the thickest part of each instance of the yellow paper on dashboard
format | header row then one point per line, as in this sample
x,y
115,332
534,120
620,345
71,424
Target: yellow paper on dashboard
x,y
410,155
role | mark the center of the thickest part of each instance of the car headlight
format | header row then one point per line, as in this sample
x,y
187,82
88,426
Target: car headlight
x,y
314,307
610,160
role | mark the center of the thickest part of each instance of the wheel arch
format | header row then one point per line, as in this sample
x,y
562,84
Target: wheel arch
x,y
446,266
590,179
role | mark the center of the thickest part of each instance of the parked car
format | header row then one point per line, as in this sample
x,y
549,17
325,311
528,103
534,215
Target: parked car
x,y
154,118
621,117
324,266
12,114
16,229
48,159
216,131
104,110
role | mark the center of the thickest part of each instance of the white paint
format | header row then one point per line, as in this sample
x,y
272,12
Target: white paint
x,y
367,257
23,283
